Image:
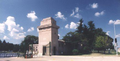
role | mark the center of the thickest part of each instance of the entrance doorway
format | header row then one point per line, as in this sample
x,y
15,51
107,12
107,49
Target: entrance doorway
x,y
54,50
44,50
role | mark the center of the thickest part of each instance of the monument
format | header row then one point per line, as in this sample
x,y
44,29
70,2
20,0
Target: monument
x,y
48,37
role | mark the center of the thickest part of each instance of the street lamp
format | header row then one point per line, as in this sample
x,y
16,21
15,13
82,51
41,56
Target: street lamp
x,y
115,45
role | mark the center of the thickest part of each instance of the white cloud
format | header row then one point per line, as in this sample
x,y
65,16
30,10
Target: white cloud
x,y
94,5
67,26
117,35
20,35
2,27
18,25
14,29
37,30
73,25
31,29
72,13
5,37
59,15
77,9
99,13
107,33
111,22
21,28
17,35
114,22
10,22
58,34
32,16
117,22
75,13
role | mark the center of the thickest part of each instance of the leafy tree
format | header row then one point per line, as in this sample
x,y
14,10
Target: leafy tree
x,y
0,45
91,34
80,27
16,47
29,39
99,43
72,39
86,38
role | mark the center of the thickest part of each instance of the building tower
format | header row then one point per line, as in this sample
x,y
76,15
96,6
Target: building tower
x,y
48,37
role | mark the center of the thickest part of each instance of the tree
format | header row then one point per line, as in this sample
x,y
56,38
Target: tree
x,y
80,27
99,43
86,38
29,39
4,45
91,34
0,45
72,39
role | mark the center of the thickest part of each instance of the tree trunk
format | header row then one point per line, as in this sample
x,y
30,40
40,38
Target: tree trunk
x,y
104,51
98,51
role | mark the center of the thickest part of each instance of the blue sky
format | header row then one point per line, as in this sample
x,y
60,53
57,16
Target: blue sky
x,y
19,18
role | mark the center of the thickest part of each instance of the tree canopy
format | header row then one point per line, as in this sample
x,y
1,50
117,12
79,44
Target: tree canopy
x,y
87,38
29,39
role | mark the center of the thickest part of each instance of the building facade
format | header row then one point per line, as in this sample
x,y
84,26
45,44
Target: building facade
x,y
48,37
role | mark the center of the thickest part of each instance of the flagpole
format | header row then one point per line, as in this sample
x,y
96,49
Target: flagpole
x,y
114,39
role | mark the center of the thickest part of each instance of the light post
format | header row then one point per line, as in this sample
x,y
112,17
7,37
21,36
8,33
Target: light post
x,y
115,45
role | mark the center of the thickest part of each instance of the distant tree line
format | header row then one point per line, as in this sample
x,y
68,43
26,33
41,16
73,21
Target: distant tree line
x,y
22,47
6,46
87,38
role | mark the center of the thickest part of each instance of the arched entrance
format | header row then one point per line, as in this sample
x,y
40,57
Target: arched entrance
x,y
54,50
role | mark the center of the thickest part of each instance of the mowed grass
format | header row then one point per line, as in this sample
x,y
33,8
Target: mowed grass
x,y
95,53
101,53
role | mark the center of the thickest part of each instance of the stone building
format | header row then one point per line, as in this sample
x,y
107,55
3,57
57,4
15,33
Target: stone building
x,y
48,43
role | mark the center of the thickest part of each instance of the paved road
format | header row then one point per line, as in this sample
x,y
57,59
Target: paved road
x,y
65,58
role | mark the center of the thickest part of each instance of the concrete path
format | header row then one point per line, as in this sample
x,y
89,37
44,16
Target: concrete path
x,y
65,58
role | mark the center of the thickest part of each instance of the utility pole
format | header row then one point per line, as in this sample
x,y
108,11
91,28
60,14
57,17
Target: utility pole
x,y
115,45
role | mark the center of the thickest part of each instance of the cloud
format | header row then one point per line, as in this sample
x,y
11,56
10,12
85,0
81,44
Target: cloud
x,y
77,9
94,5
14,29
72,25
32,16
75,13
20,35
67,26
37,30
5,37
2,27
10,22
58,34
114,22
117,35
72,13
107,33
31,29
16,34
99,13
59,15
21,28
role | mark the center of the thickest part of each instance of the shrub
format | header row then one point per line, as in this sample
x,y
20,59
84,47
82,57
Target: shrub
x,y
75,51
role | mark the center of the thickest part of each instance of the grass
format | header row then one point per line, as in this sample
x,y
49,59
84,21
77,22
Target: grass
x,y
101,53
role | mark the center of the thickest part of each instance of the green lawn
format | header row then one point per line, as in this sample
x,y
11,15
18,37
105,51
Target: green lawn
x,y
101,53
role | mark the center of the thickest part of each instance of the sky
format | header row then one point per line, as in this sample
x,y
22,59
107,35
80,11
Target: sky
x,y
19,18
